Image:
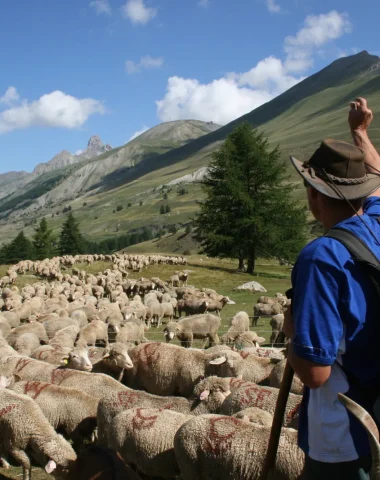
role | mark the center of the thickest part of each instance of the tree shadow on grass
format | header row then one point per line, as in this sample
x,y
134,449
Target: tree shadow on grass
x,y
238,272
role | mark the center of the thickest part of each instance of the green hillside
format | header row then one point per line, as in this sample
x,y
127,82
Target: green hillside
x,y
296,121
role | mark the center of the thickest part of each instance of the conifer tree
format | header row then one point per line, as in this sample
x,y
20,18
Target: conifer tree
x,y
43,241
249,211
21,248
71,241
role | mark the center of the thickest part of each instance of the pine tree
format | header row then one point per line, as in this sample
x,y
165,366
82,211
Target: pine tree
x,y
20,248
71,241
43,241
249,211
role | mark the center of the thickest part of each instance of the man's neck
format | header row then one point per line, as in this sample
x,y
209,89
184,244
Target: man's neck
x,y
333,218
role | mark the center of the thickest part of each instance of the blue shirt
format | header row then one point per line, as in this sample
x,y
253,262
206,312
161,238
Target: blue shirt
x,y
337,322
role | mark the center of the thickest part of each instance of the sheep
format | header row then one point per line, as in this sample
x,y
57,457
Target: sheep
x,y
246,340
53,326
25,344
65,337
96,330
5,328
12,318
255,415
164,369
24,311
215,305
67,409
257,369
248,394
36,328
115,360
277,323
72,358
5,349
266,352
203,327
261,309
275,378
207,397
145,438
214,446
23,427
95,384
167,311
101,464
194,306
174,281
131,332
183,277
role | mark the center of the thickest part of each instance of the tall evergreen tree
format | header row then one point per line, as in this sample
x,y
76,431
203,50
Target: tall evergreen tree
x,y
21,248
249,211
43,241
71,241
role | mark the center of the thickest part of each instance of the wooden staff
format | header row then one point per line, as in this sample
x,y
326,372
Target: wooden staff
x,y
278,421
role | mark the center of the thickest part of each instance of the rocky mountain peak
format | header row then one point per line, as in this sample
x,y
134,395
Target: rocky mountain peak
x,y
95,142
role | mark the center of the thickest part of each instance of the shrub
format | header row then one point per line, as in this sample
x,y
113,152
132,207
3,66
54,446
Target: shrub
x,y
119,207
188,229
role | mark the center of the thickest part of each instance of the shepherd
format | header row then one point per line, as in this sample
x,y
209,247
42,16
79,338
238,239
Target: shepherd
x,y
334,325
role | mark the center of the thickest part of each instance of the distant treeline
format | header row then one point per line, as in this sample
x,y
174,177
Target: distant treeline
x,y
70,241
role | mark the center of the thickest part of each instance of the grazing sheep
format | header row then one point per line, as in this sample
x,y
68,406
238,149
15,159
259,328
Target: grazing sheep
x,y
67,409
215,305
131,332
174,281
193,306
255,415
26,343
203,327
224,448
145,438
24,427
277,323
115,360
247,394
95,331
164,369
264,310
53,326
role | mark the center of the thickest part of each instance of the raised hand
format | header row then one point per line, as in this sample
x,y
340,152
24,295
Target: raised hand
x,y
360,116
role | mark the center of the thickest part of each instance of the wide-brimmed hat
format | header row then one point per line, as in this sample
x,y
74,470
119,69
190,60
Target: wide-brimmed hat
x,y
337,170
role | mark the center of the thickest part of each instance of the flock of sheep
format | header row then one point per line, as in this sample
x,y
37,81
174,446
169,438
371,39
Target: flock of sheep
x,y
83,393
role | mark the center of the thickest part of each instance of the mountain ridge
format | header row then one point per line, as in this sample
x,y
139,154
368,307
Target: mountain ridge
x,y
163,158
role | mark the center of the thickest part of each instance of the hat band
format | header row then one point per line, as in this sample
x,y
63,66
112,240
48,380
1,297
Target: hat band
x,y
323,175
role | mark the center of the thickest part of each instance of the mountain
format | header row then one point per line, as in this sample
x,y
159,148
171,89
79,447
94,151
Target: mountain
x,y
136,175
94,148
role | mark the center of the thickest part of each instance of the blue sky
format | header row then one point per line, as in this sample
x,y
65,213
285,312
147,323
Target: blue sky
x,y
74,68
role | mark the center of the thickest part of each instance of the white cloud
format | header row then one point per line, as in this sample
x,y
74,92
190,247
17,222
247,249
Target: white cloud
x,y
138,12
204,3
224,99
102,7
55,109
10,96
272,6
146,62
318,30
138,133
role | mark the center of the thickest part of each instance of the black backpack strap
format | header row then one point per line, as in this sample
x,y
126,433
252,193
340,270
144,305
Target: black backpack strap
x,y
355,246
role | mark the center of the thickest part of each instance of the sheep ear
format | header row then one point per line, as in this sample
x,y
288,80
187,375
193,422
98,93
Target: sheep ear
x,y
17,378
204,395
50,466
218,361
